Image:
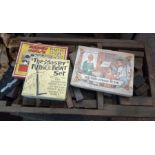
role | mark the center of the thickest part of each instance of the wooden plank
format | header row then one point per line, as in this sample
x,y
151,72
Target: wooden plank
x,y
69,100
150,71
78,94
28,101
71,92
131,119
142,101
90,104
16,105
127,35
108,100
77,91
72,57
109,110
3,103
100,100
99,35
62,35
38,102
113,43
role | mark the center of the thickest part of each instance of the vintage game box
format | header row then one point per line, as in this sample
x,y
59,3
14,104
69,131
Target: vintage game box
x,y
46,78
28,50
104,70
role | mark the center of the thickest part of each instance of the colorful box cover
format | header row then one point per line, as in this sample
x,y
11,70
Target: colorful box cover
x,y
46,79
104,70
28,50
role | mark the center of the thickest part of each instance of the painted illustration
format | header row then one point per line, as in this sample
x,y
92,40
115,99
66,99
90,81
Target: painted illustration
x,y
29,50
104,70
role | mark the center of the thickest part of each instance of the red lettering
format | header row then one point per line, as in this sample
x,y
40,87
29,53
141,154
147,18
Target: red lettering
x,y
38,48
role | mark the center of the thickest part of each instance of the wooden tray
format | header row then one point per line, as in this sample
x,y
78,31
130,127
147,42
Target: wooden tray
x,y
145,105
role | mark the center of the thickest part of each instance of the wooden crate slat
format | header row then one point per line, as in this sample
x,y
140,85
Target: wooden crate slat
x,y
115,43
100,100
109,110
90,104
150,71
3,103
143,101
69,100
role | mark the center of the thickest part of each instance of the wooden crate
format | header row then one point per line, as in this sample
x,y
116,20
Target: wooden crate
x,y
145,106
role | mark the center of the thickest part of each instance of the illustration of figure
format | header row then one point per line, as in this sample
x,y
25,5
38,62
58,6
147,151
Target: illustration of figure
x,y
26,58
88,65
123,72
109,75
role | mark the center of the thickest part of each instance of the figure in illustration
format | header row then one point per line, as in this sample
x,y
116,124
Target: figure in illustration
x,y
109,75
88,65
26,58
123,72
